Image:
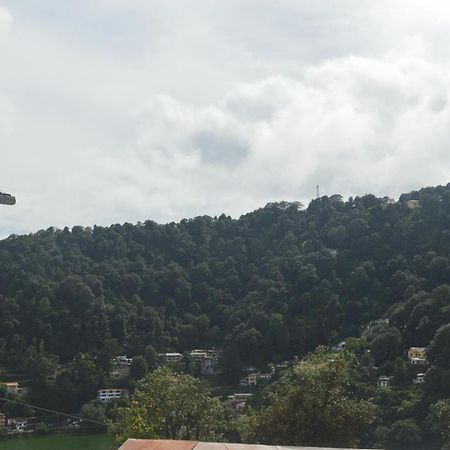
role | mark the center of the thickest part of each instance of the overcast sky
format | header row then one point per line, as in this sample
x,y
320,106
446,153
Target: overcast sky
x,y
127,110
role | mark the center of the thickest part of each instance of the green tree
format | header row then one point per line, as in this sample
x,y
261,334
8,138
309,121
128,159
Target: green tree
x,y
138,367
172,406
93,415
404,433
385,346
438,351
439,420
312,404
151,356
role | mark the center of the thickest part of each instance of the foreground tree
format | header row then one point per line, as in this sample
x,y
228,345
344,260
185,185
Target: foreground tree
x,y
312,404
172,406
439,420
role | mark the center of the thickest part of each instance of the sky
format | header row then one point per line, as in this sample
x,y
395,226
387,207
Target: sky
x,y
117,111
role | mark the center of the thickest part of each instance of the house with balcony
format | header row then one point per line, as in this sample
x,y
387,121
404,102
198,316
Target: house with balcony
x,y
109,395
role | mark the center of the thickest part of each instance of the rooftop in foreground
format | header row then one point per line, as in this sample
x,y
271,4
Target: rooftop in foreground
x,y
145,444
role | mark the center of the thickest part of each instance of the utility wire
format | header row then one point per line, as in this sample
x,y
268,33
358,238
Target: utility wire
x,y
51,411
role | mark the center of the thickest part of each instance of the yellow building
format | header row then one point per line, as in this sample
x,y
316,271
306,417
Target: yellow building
x,y
417,353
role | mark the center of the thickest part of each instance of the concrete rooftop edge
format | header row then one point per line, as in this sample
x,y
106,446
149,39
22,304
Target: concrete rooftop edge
x,y
162,444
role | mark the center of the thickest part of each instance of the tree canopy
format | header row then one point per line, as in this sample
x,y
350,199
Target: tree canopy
x,y
172,406
312,404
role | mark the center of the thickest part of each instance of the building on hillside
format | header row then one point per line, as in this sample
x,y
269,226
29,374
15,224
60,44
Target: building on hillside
x,y
418,356
284,365
120,367
383,381
208,359
2,420
240,396
239,401
109,395
417,353
418,361
264,377
252,379
420,378
121,361
12,387
21,424
198,355
249,380
170,358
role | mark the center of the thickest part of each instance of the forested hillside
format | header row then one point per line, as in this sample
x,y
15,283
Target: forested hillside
x,y
266,287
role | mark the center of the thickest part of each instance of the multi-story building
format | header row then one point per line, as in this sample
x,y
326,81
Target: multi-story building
x,y
108,395
2,420
199,355
383,381
417,353
249,380
170,358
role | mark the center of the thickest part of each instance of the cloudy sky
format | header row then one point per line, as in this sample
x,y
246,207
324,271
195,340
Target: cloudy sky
x,y
127,110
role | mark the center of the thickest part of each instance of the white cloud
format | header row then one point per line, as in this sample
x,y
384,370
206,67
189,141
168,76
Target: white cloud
x,y
6,21
123,111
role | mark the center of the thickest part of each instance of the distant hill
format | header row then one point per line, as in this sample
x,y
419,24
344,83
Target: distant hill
x,y
275,283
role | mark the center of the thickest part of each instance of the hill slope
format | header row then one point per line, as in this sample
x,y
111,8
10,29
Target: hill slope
x,y
272,284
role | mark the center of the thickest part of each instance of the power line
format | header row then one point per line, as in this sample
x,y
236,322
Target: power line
x,y
51,411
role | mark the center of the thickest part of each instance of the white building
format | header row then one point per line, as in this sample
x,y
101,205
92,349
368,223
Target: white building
x,y
18,424
108,395
170,358
420,378
12,387
383,381
418,361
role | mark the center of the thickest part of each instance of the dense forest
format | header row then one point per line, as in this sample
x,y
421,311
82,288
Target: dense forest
x,y
269,286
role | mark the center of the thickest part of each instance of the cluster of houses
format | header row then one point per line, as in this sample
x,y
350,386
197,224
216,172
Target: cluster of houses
x,y
21,425
417,357
208,360
209,363
15,425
